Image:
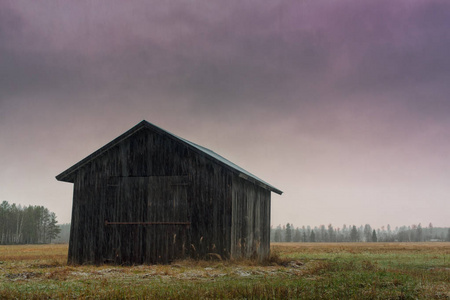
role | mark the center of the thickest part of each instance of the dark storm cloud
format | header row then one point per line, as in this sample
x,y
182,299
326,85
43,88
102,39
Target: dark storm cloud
x,y
184,50
211,50
410,51
28,67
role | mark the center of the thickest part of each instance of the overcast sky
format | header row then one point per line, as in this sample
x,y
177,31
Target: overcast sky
x,y
343,105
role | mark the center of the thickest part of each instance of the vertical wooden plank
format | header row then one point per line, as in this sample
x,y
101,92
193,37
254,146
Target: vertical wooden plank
x,y
250,229
167,202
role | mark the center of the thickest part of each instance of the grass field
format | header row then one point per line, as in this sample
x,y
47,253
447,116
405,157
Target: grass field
x,y
306,271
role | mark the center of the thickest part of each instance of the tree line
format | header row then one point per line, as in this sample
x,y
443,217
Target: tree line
x,y
27,224
352,233
64,235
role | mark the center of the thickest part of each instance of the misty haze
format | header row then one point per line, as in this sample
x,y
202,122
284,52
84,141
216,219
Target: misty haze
x,y
237,149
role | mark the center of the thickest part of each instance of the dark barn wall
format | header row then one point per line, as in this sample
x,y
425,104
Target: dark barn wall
x,y
210,209
250,234
150,177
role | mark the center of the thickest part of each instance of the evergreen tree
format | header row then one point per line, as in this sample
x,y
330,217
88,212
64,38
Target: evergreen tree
x,y
354,234
312,237
448,235
331,234
403,235
308,232
53,229
278,234
297,236
322,234
288,236
419,235
374,236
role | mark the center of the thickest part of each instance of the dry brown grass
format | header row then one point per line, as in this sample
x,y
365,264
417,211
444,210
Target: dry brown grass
x,y
55,252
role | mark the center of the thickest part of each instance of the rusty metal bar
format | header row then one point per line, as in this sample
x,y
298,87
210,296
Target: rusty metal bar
x,y
147,223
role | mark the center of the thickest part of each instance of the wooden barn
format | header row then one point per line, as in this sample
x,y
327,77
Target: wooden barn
x,y
149,196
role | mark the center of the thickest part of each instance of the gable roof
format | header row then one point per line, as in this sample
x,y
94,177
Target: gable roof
x,y
67,174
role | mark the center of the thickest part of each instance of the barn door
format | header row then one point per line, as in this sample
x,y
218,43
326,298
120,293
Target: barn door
x,y
147,219
168,211
125,211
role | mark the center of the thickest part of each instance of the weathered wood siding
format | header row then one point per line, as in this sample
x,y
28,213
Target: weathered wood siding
x,y
150,177
250,232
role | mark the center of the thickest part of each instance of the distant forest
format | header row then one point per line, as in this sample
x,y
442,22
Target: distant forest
x,y
37,225
414,233
365,233
27,224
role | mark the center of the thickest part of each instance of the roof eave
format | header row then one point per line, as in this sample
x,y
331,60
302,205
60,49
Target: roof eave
x,y
261,184
66,176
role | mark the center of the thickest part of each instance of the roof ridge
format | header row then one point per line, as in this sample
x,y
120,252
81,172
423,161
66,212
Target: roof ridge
x,y
217,157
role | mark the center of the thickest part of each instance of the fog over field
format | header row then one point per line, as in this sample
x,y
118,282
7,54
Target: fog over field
x,y
342,105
